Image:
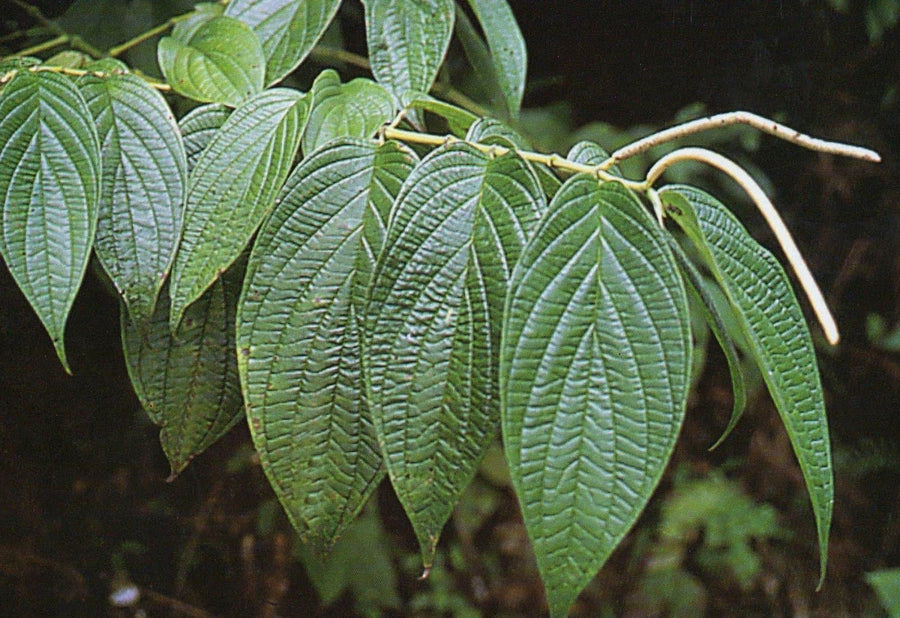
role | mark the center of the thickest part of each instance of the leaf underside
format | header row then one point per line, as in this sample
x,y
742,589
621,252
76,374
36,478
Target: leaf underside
x,y
433,324
198,127
299,336
594,377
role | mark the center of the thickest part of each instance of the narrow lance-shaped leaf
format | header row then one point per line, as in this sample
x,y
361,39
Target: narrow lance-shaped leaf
x,y
407,41
220,61
233,187
594,376
142,186
507,47
433,326
354,109
49,186
287,29
198,127
775,331
187,382
299,337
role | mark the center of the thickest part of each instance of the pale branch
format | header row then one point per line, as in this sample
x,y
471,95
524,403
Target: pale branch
x,y
162,87
773,219
731,118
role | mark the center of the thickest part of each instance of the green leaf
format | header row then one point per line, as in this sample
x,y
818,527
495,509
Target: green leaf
x,y
776,333
590,153
287,29
187,382
594,373
479,56
355,109
49,177
433,325
221,62
886,583
407,41
699,293
198,127
203,12
233,187
298,333
507,47
142,186
458,119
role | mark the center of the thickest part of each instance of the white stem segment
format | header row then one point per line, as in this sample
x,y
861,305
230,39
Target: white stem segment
x,y
757,122
810,287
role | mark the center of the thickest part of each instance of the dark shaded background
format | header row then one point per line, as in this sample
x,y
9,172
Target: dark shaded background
x,y
83,496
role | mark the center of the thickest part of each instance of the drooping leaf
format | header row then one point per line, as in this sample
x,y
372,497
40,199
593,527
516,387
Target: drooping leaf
x,y
594,374
484,73
142,186
696,287
299,337
232,188
198,127
507,47
49,180
222,61
433,325
187,382
287,29
354,109
458,119
407,41
776,333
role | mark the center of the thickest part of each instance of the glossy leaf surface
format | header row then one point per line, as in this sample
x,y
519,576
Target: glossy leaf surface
x,y
141,189
299,336
594,372
50,183
433,324
776,333
232,188
198,127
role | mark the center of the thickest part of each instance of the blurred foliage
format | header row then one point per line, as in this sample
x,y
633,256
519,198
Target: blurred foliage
x,y
887,585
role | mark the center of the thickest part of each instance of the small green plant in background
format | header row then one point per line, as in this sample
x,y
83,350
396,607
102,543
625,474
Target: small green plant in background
x,y
376,279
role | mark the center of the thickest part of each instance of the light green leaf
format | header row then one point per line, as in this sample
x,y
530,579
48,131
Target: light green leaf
x,y
221,62
407,41
775,331
299,337
203,12
886,583
141,188
458,119
433,325
507,47
233,187
594,374
287,29
355,109
187,382
198,127
49,183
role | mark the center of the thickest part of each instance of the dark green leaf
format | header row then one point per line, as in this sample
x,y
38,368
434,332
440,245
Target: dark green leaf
x,y
49,177
141,189
287,29
355,109
776,333
221,62
433,324
298,333
233,187
188,382
507,47
458,119
199,127
594,375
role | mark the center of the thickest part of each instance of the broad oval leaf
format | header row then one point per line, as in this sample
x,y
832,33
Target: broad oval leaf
x,y
776,333
202,13
594,374
198,127
50,183
299,337
354,109
233,187
287,29
221,62
187,382
141,188
507,47
433,324
407,41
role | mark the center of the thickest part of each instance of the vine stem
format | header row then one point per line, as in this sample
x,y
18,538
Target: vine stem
x,y
36,49
769,213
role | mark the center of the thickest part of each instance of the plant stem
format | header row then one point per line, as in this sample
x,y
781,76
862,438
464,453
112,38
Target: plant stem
x,y
78,73
75,42
119,49
36,49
